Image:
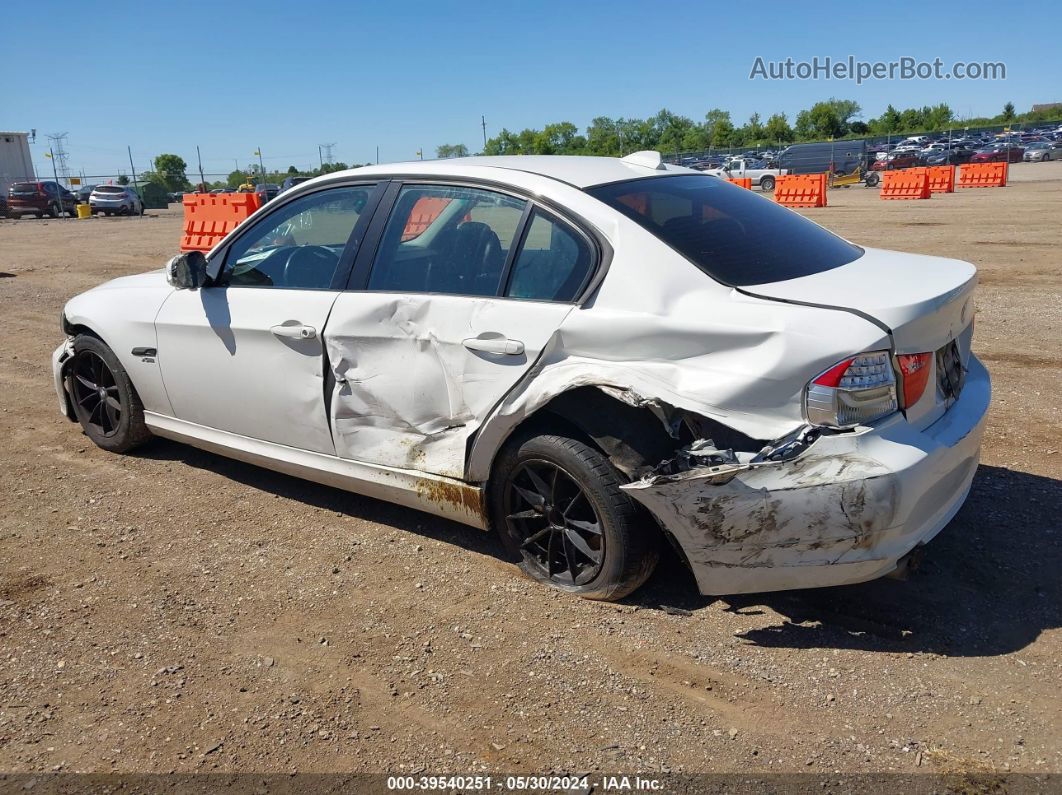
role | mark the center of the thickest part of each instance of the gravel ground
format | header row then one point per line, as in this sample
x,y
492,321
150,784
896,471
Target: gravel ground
x,y
177,611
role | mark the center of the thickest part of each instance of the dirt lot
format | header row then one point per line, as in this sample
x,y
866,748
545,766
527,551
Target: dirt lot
x,y
174,610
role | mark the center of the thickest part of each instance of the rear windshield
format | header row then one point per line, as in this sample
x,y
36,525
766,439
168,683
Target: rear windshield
x,y
109,189
730,233
22,188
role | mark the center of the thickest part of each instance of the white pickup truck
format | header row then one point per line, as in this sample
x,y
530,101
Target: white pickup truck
x,y
762,178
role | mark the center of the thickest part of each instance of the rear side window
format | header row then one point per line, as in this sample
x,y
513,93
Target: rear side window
x,y
553,263
23,188
730,233
446,239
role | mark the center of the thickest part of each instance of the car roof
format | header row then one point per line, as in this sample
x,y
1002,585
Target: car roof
x,y
577,170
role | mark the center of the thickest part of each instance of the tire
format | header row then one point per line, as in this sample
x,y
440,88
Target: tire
x,y
873,178
15,216
767,184
51,212
597,518
104,400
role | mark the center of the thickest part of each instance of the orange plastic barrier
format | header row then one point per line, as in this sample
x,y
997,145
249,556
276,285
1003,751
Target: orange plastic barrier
x,y
942,179
800,190
208,217
745,182
426,210
983,175
910,183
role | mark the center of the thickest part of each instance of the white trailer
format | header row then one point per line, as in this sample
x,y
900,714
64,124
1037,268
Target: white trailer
x,y
16,162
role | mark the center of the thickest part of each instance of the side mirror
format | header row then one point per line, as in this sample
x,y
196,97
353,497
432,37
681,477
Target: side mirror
x,y
187,270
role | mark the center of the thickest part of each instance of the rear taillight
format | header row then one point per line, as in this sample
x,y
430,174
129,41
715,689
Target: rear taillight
x,y
914,367
858,390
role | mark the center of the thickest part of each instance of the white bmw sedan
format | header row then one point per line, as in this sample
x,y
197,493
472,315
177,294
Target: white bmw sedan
x,y
586,355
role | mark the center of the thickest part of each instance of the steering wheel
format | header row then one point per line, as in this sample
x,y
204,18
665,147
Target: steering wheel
x,y
310,266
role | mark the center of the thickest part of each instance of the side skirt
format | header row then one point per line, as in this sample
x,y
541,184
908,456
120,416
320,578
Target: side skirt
x,y
446,497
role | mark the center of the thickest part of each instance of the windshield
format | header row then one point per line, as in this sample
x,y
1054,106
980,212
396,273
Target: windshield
x,y
23,188
730,233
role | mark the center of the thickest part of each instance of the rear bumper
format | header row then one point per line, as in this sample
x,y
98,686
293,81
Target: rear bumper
x,y
843,512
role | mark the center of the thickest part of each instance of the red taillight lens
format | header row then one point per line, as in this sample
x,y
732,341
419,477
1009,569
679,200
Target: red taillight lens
x,y
915,370
857,390
833,376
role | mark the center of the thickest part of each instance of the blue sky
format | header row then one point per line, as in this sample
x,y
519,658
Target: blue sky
x,y
232,75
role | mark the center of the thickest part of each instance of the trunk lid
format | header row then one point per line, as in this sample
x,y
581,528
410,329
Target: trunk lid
x,y
924,301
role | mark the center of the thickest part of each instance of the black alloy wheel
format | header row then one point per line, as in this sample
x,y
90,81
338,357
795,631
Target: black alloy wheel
x,y
559,530
96,395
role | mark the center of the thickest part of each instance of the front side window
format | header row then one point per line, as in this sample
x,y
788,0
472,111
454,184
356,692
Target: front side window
x,y
446,239
553,264
730,233
299,245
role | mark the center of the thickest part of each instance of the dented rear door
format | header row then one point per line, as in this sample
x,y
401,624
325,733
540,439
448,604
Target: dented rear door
x,y
411,386
425,344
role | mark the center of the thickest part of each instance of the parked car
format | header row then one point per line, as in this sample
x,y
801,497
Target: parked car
x,y
115,200
483,341
83,193
1043,151
291,182
998,153
954,156
896,160
267,191
3,205
41,199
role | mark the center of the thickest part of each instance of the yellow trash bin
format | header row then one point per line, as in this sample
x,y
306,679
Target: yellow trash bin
x,y
84,211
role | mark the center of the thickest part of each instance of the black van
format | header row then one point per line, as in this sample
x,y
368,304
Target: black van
x,y
837,157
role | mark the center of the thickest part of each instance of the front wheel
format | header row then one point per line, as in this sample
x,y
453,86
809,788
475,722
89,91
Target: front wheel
x,y
767,184
557,505
873,178
104,400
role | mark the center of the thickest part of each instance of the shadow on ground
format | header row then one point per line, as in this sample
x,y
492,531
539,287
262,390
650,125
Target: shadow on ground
x,y
989,584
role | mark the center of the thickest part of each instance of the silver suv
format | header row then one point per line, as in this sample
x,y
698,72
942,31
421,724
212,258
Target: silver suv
x,y
111,199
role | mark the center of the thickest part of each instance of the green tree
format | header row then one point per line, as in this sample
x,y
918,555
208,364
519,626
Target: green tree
x,y
122,179
451,150
171,171
718,128
1008,112
235,178
292,171
777,129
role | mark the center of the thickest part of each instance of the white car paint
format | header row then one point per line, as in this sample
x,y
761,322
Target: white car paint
x,y
403,409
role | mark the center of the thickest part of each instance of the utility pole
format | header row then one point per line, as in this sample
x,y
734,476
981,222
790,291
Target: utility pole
x,y
199,157
320,157
129,149
51,156
483,124
377,154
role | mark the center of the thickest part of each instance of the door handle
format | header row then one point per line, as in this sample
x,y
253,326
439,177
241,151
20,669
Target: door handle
x,y
296,331
494,345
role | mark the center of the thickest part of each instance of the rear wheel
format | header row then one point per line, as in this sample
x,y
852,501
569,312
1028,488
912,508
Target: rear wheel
x,y
105,402
51,212
557,505
767,184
